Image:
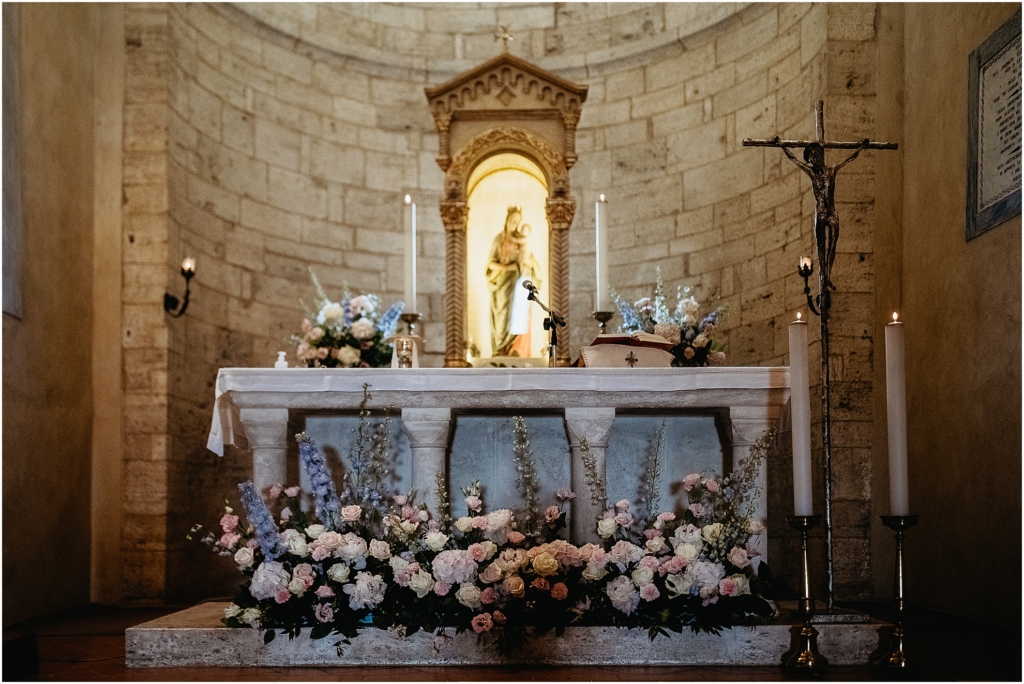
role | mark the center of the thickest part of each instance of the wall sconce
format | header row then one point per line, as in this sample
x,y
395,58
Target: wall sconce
x,y
188,270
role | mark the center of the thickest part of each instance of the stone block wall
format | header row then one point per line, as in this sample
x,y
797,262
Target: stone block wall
x,y
268,139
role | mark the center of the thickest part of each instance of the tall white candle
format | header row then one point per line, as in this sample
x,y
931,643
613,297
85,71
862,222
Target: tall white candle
x,y
409,218
896,403
800,406
601,248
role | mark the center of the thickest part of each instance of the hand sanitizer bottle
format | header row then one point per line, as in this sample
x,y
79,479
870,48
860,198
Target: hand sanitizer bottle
x,y
280,363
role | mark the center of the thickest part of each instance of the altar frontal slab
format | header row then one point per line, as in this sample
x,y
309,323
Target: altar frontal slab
x,y
196,637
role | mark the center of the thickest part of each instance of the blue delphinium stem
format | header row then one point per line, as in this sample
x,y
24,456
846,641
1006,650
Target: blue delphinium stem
x,y
389,320
328,507
262,520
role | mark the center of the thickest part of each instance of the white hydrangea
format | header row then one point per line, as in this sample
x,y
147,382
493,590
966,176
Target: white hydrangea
x,y
269,580
623,595
348,356
366,592
363,329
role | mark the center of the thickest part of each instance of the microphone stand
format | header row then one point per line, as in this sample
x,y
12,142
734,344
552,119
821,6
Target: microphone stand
x,y
551,323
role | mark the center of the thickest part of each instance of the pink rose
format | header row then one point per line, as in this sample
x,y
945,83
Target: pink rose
x,y
480,522
275,491
283,596
292,492
666,517
319,552
565,494
551,514
516,537
323,612
408,512
651,534
229,540
488,595
324,591
540,583
650,562
286,513
649,592
622,505
624,519
351,513
672,565
477,552
304,571
559,592
697,510
688,353
690,480
728,587
442,588
482,623
400,499
712,486
474,503
229,522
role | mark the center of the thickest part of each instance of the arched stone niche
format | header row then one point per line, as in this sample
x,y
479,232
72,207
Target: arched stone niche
x,y
505,105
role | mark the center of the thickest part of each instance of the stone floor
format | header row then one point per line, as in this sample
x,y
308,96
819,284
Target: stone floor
x,y
87,644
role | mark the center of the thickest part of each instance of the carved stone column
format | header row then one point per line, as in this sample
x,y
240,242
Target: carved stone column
x,y
594,425
560,213
428,437
454,214
748,424
266,430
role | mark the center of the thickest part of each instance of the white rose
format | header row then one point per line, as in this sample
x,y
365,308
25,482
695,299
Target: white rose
x,y
348,356
435,541
712,532
738,557
297,546
363,329
250,616
331,312
314,531
232,610
408,526
492,573
688,552
594,572
339,573
297,586
678,585
244,557
398,564
606,527
490,548
742,584
656,545
469,596
700,341
421,583
465,524
642,575
380,550
688,534
498,524
755,526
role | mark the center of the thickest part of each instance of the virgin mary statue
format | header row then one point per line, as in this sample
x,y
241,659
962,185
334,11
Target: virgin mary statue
x,y
510,263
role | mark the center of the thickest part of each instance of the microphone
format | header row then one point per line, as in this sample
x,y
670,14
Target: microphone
x,y
528,285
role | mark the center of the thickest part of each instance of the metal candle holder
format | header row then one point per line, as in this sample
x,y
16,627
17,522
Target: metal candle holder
x,y
806,656
899,524
602,318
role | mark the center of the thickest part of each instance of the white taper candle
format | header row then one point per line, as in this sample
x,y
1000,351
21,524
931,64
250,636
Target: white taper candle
x,y
409,219
800,407
601,248
896,404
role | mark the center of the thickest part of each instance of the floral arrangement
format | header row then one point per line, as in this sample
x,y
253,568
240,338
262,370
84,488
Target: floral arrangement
x,y
372,559
346,334
693,336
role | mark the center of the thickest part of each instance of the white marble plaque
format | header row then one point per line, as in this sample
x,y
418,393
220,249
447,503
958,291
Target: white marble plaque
x,y
999,113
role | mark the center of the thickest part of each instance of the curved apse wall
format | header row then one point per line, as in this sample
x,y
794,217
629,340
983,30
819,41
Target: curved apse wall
x,y
295,130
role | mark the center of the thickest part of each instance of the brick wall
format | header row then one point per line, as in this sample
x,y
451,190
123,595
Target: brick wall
x,y
270,139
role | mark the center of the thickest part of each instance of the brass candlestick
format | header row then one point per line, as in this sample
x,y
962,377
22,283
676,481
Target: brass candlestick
x,y
411,320
602,320
806,656
899,524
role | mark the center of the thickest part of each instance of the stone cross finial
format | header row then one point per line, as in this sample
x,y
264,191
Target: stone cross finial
x,y
504,36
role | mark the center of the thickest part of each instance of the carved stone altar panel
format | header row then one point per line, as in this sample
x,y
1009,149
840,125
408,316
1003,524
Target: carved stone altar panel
x,y
505,105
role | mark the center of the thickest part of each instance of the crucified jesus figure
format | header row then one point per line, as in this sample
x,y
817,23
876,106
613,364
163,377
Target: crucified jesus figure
x,y
823,183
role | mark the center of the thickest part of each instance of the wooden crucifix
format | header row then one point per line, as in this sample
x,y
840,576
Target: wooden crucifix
x,y
826,236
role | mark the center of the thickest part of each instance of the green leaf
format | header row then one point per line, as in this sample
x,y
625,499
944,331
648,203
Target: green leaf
x,y
268,636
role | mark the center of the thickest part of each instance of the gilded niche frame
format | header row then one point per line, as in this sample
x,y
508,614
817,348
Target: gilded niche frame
x,y
505,105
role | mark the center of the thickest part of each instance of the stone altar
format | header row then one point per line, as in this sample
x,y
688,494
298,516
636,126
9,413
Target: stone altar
x,y
252,408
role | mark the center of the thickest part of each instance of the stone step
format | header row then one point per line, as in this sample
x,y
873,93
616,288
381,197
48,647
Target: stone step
x,y
196,637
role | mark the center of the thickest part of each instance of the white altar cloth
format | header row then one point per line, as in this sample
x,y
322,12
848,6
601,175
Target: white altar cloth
x,y
333,388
